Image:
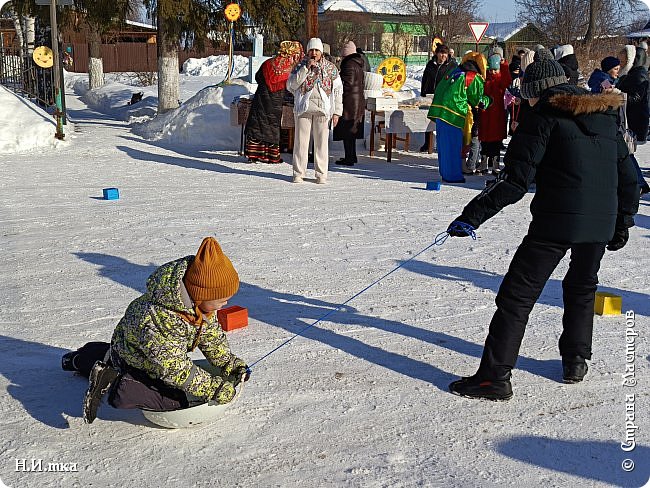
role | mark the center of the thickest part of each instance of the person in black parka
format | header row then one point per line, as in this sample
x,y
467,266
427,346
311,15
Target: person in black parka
x,y
350,125
635,82
434,72
263,125
585,200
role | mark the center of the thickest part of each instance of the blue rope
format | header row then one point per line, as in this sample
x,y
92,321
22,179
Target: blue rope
x,y
439,240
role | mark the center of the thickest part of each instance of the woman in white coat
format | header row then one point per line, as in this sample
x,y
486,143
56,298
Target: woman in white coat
x,y
317,90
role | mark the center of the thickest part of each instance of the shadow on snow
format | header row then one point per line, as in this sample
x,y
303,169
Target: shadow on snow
x,y
593,460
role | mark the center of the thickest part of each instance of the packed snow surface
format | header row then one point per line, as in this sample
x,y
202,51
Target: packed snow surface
x,y
360,399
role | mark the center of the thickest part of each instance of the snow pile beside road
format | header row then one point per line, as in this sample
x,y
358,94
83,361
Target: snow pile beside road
x,y
202,121
29,128
216,66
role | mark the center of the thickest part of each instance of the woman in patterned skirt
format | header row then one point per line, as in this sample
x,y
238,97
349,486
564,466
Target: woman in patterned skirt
x,y
263,124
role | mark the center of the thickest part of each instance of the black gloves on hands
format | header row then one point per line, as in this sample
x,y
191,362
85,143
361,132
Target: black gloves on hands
x,y
482,106
242,371
621,235
459,228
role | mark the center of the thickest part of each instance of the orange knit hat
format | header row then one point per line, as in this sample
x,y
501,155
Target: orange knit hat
x,y
211,275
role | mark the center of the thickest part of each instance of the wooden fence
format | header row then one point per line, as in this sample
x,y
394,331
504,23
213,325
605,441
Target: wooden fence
x,y
134,56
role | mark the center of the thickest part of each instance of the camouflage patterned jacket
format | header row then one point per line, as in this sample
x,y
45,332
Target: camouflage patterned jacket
x,y
154,337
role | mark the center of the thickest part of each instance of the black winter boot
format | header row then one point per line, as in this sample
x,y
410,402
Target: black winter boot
x,y
67,361
574,369
102,377
477,387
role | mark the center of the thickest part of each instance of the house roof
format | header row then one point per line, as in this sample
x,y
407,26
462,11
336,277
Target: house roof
x,y
364,6
504,30
141,24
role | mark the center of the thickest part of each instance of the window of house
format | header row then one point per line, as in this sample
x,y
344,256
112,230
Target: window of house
x,y
421,44
370,42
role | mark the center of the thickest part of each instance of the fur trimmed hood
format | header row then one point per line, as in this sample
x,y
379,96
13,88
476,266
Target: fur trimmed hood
x,y
561,51
630,54
579,104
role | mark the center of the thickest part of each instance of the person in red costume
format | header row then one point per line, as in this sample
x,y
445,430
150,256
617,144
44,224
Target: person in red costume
x,y
493,127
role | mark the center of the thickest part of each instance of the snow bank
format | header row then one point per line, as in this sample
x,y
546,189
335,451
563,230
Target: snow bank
x,y
202,121
215,66
29,127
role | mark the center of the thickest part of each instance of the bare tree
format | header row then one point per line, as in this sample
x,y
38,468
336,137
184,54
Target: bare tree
x,y
444,18
565,21
356,27
399,43
19,30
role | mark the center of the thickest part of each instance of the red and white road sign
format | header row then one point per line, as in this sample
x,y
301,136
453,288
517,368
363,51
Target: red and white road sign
x,y
478,29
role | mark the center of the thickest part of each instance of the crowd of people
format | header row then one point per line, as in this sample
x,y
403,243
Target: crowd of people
x,y
488,111
476,103
324,96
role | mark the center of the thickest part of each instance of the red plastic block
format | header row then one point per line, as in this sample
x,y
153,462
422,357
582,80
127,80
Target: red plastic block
x,y
232,318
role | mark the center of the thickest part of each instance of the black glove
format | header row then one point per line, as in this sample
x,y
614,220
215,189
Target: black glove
x,y
240,371
481,105
459,228
621,235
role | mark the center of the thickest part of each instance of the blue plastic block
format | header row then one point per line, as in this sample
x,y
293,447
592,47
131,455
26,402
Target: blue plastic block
x,y
433,185
111,193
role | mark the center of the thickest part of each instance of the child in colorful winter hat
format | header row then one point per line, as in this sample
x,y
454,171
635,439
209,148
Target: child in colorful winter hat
x,y
146,364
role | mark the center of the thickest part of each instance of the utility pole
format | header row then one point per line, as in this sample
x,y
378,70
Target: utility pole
x,y
56,72
311,18
56,69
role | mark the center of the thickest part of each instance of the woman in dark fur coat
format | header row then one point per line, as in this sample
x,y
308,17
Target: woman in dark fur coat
x,y
635,83
263,124
350,126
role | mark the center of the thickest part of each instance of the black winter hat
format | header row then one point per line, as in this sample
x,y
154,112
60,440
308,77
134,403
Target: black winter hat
x,y
544,72
609,62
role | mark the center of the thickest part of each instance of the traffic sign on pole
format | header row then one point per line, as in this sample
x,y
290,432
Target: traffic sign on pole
x,y
478,29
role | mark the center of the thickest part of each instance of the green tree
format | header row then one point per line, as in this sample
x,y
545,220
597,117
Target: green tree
x,y
191,23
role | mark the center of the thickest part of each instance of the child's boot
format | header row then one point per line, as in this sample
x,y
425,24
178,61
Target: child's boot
x,y
574,369
478,387
483,166
496,167
67,361
102,377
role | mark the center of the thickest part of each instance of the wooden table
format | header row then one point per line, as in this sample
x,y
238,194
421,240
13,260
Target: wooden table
x,y
401,121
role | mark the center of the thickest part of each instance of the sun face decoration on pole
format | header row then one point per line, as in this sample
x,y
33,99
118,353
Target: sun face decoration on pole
x,y
232,13
394,72
43,57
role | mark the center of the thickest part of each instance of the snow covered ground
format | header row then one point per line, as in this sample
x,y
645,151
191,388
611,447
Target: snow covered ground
x,y
361,399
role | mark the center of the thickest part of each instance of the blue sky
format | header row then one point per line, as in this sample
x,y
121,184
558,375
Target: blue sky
x,y
506,11
499,10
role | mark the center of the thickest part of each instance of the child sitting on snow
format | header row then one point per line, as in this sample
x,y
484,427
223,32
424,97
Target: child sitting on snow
x,y
146,364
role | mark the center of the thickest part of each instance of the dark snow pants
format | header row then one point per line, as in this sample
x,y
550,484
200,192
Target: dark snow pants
x,y
350,148
133,388
522,285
